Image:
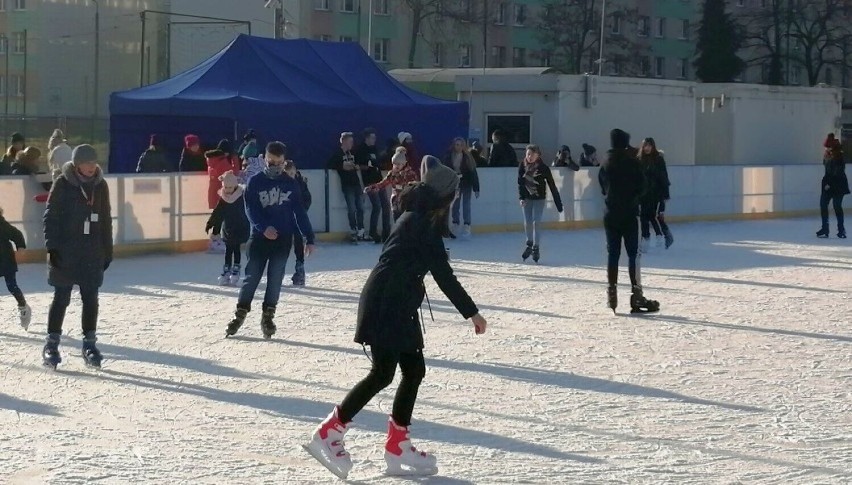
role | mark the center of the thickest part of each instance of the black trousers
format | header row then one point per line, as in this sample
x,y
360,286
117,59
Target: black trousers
x,y
15,290
651,217
61,300
232,254
413,369
299,248
618,230
837,201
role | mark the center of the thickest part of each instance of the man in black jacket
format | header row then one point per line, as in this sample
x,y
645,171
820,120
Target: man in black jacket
x,y
622,183
343,160
367,160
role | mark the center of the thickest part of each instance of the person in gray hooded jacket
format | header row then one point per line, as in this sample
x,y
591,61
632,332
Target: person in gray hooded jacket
x,y
78,238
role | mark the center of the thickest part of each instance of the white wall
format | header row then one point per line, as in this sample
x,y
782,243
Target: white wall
x,y
156,208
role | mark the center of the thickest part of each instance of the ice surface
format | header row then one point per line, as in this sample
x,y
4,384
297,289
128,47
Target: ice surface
x,y
745,375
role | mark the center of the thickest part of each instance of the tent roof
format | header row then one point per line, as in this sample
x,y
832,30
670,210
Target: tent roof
x,y
274,72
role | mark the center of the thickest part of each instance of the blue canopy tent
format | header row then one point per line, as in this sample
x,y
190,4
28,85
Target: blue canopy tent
x,y
302,92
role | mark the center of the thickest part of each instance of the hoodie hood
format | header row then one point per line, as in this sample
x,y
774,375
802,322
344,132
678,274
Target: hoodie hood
x,y
69,172
619,139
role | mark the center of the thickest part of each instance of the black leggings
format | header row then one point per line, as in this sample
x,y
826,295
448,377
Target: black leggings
x,y
61,300
15,290
232,254
837,201
618,230
381,375
299,248
652,217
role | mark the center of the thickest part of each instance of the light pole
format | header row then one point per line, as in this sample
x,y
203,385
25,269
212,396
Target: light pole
x,y
370,30
278,26
5,41
97,58
603,26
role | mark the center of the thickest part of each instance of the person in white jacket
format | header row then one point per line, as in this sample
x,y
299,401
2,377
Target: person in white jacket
x,y
59,153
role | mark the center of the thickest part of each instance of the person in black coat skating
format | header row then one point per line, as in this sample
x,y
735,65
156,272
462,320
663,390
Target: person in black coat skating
x,y
229,218
290,169
388,321
834,184
9,235
656,193
622,184
78,238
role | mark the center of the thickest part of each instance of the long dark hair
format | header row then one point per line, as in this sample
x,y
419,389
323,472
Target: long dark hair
x,y
648,142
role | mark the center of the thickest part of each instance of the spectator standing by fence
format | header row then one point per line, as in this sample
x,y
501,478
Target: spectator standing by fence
x,y
59,153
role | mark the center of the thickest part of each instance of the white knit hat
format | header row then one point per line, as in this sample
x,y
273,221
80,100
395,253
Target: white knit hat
x,y
399,156
403,135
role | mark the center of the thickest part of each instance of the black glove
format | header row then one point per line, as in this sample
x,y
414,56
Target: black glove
x,y
107,263
53,258
207,228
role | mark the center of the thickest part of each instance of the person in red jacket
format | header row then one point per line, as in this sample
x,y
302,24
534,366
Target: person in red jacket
x,y
219,161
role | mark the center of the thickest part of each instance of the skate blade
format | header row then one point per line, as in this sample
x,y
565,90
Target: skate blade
x,y
401,471
321,458
642,310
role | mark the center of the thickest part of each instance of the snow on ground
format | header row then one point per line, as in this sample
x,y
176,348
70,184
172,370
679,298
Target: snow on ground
x,y
745,376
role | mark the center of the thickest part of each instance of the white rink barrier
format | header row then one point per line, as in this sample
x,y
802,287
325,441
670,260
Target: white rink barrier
x,y
170,211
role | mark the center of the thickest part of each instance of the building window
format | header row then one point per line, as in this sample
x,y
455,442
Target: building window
x,y
684,68
684,29
796,76
4,42
616,24
740,3
466,10
645,66
614,67
499,54
380,50
2,85
2,5
346,38
520,14
501,14
17,85
644,26
829,76
324,38
660,31
20,4
381,7
464,55
20,42
660,67
517,127
438,55
546,59
347,6
322,5
519,57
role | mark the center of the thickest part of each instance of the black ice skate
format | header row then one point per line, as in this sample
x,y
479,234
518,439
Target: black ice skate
x,y
90,352
50,354
299,275
536,254
822,233
267,326
841,233
640,304
669,238
528,251
237,322
612,297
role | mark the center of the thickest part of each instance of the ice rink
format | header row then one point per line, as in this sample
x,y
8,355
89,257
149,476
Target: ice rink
x,y
745,376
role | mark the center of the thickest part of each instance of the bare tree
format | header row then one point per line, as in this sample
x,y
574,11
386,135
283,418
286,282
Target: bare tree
x,y
437,14
813,34
570,29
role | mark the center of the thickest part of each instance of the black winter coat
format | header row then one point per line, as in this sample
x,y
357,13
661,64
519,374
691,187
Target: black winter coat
x,y
9,234
469,177
656,178
306,192
19,168
835,175
229,218
192,162
348,178
368,158
622,183
153,161
71,204
394,292
533,182
502,155
6,164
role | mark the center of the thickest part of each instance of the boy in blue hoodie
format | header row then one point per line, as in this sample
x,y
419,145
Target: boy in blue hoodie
x,y
274,207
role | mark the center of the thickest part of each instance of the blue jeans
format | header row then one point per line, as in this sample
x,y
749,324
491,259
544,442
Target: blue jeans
x,y
463,202
15,290
265,254
355,206
380,203
533,211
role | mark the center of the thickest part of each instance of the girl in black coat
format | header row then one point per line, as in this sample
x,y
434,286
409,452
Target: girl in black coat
x,y
78,237
653,199
835,185
9,235
388,322
298,278
229,218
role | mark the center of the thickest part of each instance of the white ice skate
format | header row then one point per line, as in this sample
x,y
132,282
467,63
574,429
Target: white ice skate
x,y
224,279
402,457
466,232
327,446
661,241
26,315
644,245
234,279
